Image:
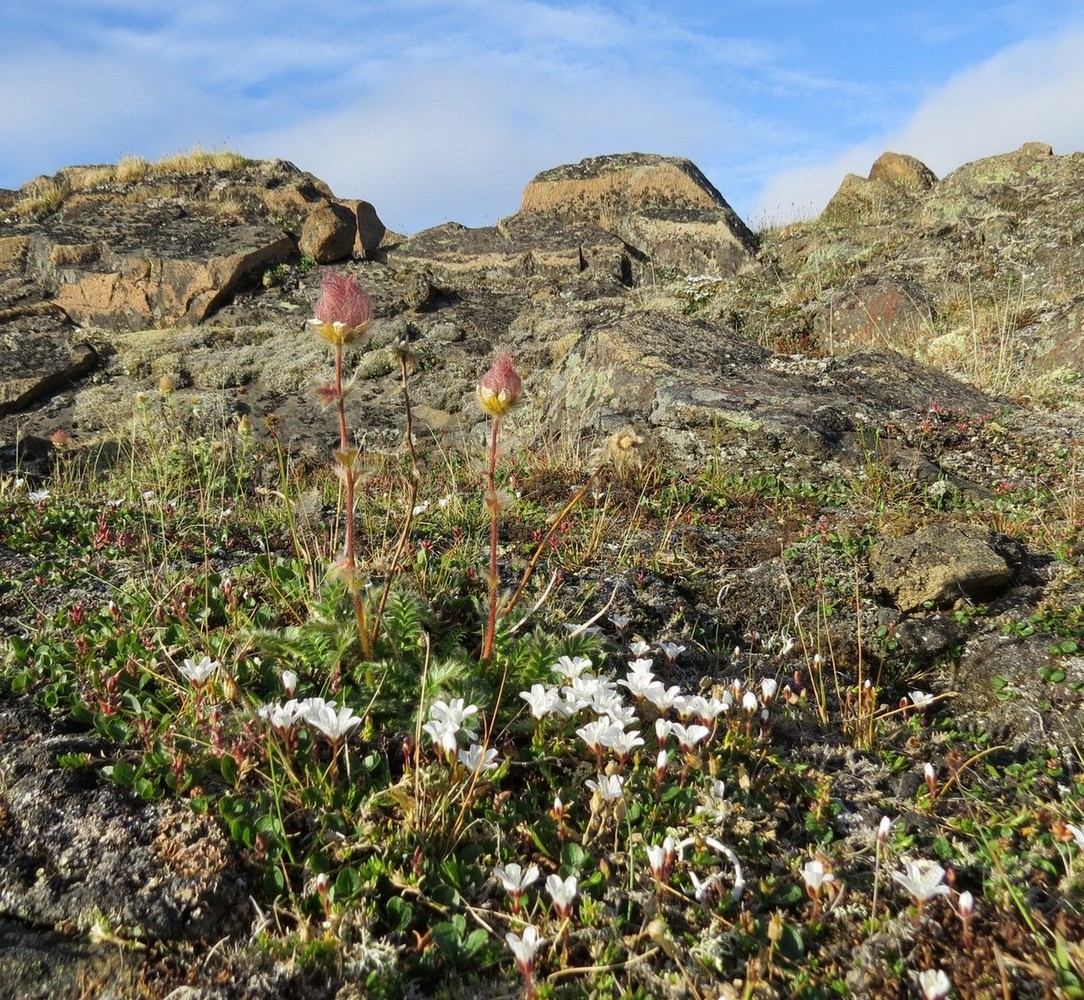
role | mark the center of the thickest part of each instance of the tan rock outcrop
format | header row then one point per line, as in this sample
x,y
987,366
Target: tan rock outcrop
x,y
329,233
663,206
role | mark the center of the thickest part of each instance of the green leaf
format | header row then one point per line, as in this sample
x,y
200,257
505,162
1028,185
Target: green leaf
x,y
400,914
347,884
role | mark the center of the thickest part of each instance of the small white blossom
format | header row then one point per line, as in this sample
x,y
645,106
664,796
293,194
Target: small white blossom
x,y
815,876
608,787
289,682
443,733
281,716
524,947
671,650
38,496
639,648
562,891
456,712
541,700
593,733
197,673
620,741
934,984
688,736
572,667
479,759
330,720
515,878
662,698
922,879
920,699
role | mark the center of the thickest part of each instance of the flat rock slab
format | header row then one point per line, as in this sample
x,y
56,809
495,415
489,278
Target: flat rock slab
x,y
937,566
33,366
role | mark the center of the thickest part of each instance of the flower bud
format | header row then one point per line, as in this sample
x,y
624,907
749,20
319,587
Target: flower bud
x,y
500,388
343,312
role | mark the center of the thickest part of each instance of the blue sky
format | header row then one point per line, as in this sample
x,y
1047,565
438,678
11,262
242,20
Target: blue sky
x,y
438,110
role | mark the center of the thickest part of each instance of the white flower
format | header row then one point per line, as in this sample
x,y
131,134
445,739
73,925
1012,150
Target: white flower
x,y
922,879
608,787
934,984
479,758
688,736
965,905
663,728
592,734
714,804
541,700
920,699
289,682
1078,834
671,650
768,687
332,721
457,713
640,681
883,829
38,496
621,622
587,689
661,858
281,716
515,878
420,508
661,697
639,648
571,666
815,876
443,733
562,891
749,702
623,715
197,673
524,948
621,742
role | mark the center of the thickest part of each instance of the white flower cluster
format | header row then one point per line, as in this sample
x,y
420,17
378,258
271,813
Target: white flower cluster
x,y
613,729
331,720
450,720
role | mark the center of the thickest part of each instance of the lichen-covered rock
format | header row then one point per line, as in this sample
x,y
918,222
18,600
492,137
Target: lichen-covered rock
x,y
81,850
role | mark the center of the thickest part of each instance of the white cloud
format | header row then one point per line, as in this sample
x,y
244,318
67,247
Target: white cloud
x,y
1029,91
461,144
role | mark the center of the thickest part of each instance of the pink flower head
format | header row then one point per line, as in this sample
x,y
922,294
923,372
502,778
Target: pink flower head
x,y
500,388
344,311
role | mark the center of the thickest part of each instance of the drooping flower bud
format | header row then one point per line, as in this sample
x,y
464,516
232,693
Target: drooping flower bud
x,y
343,312
501,387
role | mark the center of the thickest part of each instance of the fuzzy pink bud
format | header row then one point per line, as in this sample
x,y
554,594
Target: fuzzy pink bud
x,y
501,387
344,311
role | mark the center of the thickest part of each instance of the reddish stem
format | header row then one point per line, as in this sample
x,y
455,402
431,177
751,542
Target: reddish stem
x,y
491,500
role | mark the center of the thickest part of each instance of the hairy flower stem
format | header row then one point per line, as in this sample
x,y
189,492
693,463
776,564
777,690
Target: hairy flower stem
x,y
493,503
411,499
350,477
